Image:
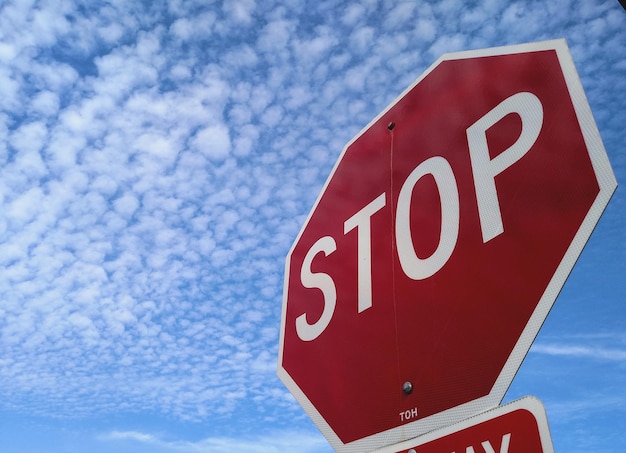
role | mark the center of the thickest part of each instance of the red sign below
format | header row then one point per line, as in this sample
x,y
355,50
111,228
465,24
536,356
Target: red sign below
x,y
518,427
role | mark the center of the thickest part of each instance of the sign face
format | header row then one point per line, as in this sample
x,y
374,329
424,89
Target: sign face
x,y
438,245
518,427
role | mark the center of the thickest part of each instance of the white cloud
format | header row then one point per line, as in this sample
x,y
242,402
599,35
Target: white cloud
x,y
240,11
9,89
162,148
274,442
63,149
577,351
46,103
352,14
273,116
7,52
182,28
126,205
445,44
401,14
130,435
25,207
311,51
47,25
362,39
425,29
213,141
276,35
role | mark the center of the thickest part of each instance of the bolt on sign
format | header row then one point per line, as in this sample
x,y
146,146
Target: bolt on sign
x,y
438,245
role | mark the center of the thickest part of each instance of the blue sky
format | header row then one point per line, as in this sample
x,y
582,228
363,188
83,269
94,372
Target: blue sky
x,y
157,160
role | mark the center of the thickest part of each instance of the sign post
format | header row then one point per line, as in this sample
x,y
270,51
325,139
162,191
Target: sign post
x,y
438,245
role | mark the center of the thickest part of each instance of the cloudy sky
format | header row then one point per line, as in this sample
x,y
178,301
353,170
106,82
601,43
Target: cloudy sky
x,y
157,160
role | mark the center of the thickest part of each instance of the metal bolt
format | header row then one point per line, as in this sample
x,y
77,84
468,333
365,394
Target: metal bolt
x,y
391,125
412,450
407,387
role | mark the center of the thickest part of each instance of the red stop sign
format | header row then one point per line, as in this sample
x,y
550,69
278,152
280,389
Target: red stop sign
x,y
438,245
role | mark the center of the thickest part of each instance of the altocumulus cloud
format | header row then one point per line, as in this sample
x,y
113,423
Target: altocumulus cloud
x,y
130,234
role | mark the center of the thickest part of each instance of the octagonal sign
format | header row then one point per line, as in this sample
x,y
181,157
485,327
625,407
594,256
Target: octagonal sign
x,y
438,245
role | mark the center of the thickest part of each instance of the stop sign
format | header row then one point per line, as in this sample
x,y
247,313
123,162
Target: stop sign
x,y
438,245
